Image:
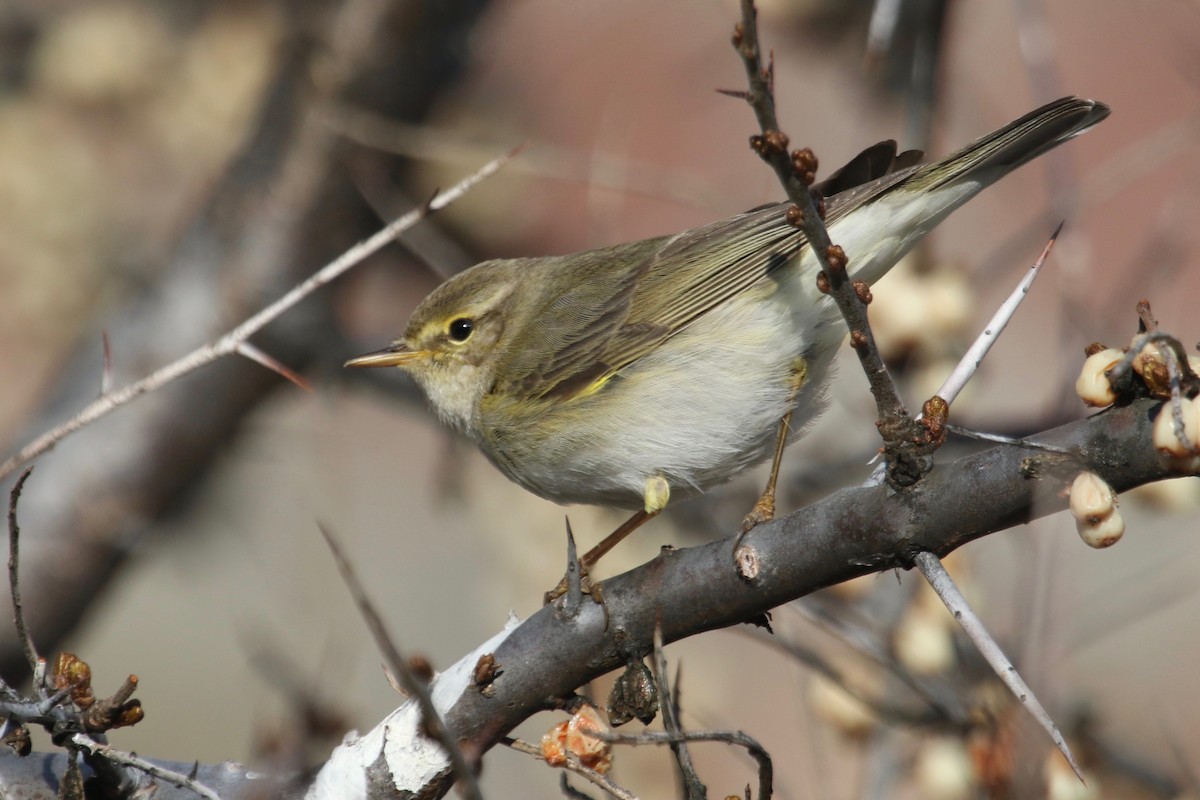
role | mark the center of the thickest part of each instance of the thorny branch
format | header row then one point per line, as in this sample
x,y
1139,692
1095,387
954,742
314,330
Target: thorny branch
x,y
905,441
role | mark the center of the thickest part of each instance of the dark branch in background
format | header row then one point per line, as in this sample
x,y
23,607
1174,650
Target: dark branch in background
x,y
905,442
110,484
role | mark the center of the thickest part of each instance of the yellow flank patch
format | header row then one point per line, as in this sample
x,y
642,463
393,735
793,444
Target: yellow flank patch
x,y
594,386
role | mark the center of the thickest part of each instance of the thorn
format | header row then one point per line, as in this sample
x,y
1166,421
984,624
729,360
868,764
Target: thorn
x,y
574,598
427,207
106,371
258,356
740,94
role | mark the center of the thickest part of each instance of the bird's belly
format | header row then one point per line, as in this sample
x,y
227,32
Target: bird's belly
x,y
700,409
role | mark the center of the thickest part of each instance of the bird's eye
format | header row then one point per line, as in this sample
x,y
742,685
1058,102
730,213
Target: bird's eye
x,y
460,329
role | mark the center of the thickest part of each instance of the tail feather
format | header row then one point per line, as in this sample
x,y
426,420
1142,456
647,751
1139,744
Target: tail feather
x,y
1017,143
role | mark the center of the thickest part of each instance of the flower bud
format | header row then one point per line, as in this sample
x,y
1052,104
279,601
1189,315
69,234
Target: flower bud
x,y
1183,452
1092,385
923,644
1092,500
1102,534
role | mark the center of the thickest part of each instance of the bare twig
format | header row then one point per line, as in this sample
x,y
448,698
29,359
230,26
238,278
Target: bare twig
x,y
931,567
574,765
275,365
231,341
766,772
596,169
14,557
106,372
965,369
670,715
771,145
998,438
417,688
95,749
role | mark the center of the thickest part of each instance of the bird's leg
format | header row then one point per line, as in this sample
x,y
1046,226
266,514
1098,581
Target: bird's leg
x,y
613,539
656,494
764,509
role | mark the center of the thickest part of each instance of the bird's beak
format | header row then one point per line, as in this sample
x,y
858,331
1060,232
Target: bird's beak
x,y
398,355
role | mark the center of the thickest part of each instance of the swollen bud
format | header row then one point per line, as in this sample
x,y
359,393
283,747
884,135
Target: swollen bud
x,y
1092,385
1179,445
1093,504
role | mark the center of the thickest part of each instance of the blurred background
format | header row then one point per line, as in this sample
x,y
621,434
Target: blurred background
x,y
167,168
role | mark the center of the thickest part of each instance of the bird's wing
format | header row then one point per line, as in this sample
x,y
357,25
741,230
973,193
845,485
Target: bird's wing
x,y
640,294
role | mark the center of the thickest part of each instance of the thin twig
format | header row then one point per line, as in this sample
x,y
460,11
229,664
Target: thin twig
x,y
574,765
931,567
670,715
417,688
229,342
771,145
275,365
426,142
766,772
14,557
95,749
106,371
965,369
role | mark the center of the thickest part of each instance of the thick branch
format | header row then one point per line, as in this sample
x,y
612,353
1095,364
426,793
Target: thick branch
x,y
850,533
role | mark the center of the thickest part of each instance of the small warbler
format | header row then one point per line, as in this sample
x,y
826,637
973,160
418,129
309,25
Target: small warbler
x,y
630,374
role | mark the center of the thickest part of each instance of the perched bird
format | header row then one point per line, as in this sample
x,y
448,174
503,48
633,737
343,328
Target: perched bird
x,y
630,374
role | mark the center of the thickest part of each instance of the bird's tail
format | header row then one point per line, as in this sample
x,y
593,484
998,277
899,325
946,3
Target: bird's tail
x,y
988,159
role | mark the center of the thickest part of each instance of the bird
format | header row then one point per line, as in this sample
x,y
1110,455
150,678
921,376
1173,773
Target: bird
x,y
632,374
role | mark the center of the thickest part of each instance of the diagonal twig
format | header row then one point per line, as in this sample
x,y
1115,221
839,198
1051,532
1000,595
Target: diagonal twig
x,y
275,365
231,341
417,688
931,567
895,425
82,741
965,369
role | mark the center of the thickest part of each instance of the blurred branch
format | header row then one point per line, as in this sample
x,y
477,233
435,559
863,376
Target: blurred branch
x,y
235,340
134,468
